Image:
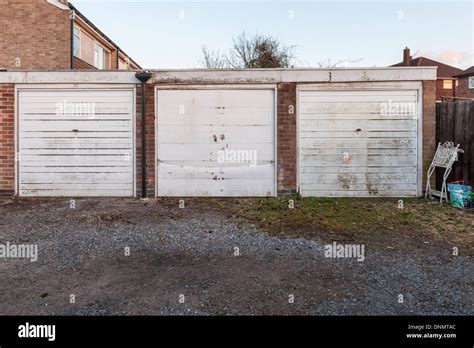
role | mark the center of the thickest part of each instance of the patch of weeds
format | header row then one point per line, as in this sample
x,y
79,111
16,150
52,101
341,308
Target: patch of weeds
x,y
109,217
219,312
83,218
349,217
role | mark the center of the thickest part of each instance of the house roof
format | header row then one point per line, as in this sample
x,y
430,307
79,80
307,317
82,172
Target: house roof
x,y
444,70
106,38
467,72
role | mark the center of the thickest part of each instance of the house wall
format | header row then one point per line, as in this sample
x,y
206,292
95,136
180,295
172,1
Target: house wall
x,y
123,65
441,92
7,139
463,88
113,60
88,39
34,34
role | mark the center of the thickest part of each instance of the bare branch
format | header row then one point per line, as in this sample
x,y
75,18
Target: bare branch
x,y
213,60
258,51
329,64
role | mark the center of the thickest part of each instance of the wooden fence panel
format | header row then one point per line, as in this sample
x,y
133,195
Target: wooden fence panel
x,y
455,122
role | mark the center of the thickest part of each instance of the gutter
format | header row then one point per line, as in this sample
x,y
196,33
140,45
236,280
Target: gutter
x,y
143,76
72,16
117,60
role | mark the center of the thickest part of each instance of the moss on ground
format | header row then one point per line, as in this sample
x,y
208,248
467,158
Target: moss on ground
x,y
364,217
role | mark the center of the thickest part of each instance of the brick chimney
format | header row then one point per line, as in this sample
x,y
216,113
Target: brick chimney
x,y
406,57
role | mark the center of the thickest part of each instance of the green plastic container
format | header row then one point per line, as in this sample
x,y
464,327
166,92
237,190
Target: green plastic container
x,y
460,195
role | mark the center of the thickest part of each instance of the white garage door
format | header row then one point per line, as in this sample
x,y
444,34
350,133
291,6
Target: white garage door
x,y
357,142
217,142
76,142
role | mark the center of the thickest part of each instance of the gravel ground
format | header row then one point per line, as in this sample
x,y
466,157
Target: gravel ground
x,y
189,254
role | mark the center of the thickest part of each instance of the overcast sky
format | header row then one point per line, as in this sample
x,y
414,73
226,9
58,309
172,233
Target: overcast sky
x,y
170,34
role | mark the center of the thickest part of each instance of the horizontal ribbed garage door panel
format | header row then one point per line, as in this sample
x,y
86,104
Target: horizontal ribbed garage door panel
x,y
392,178
64,143
353,108
337,169
51,153
67,169
228,98
76,178
387,191
358,143
79,135
207,116
364,125
51,117
353,116
366,99
47,191
365,185
196,172
361,160
325,133
358,151
239,187
79,125
76,142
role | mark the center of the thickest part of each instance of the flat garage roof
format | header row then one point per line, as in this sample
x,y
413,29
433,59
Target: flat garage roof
x,y
202,76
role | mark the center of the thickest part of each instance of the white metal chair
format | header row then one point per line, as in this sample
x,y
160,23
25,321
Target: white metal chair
x,y
444,157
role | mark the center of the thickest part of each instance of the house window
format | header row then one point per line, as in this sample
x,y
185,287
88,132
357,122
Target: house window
x,y
447,84
77,43
99,56
471,82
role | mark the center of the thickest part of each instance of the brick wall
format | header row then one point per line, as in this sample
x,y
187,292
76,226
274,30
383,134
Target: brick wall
x,y
7,140
286,138
429,126
34,34
463,88
150,137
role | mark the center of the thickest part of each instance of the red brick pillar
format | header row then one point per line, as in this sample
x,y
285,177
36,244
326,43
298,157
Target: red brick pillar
x,y
7,140
150,140
286,138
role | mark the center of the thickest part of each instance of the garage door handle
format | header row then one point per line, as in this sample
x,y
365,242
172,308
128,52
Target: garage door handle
x,y
358,130
75,130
